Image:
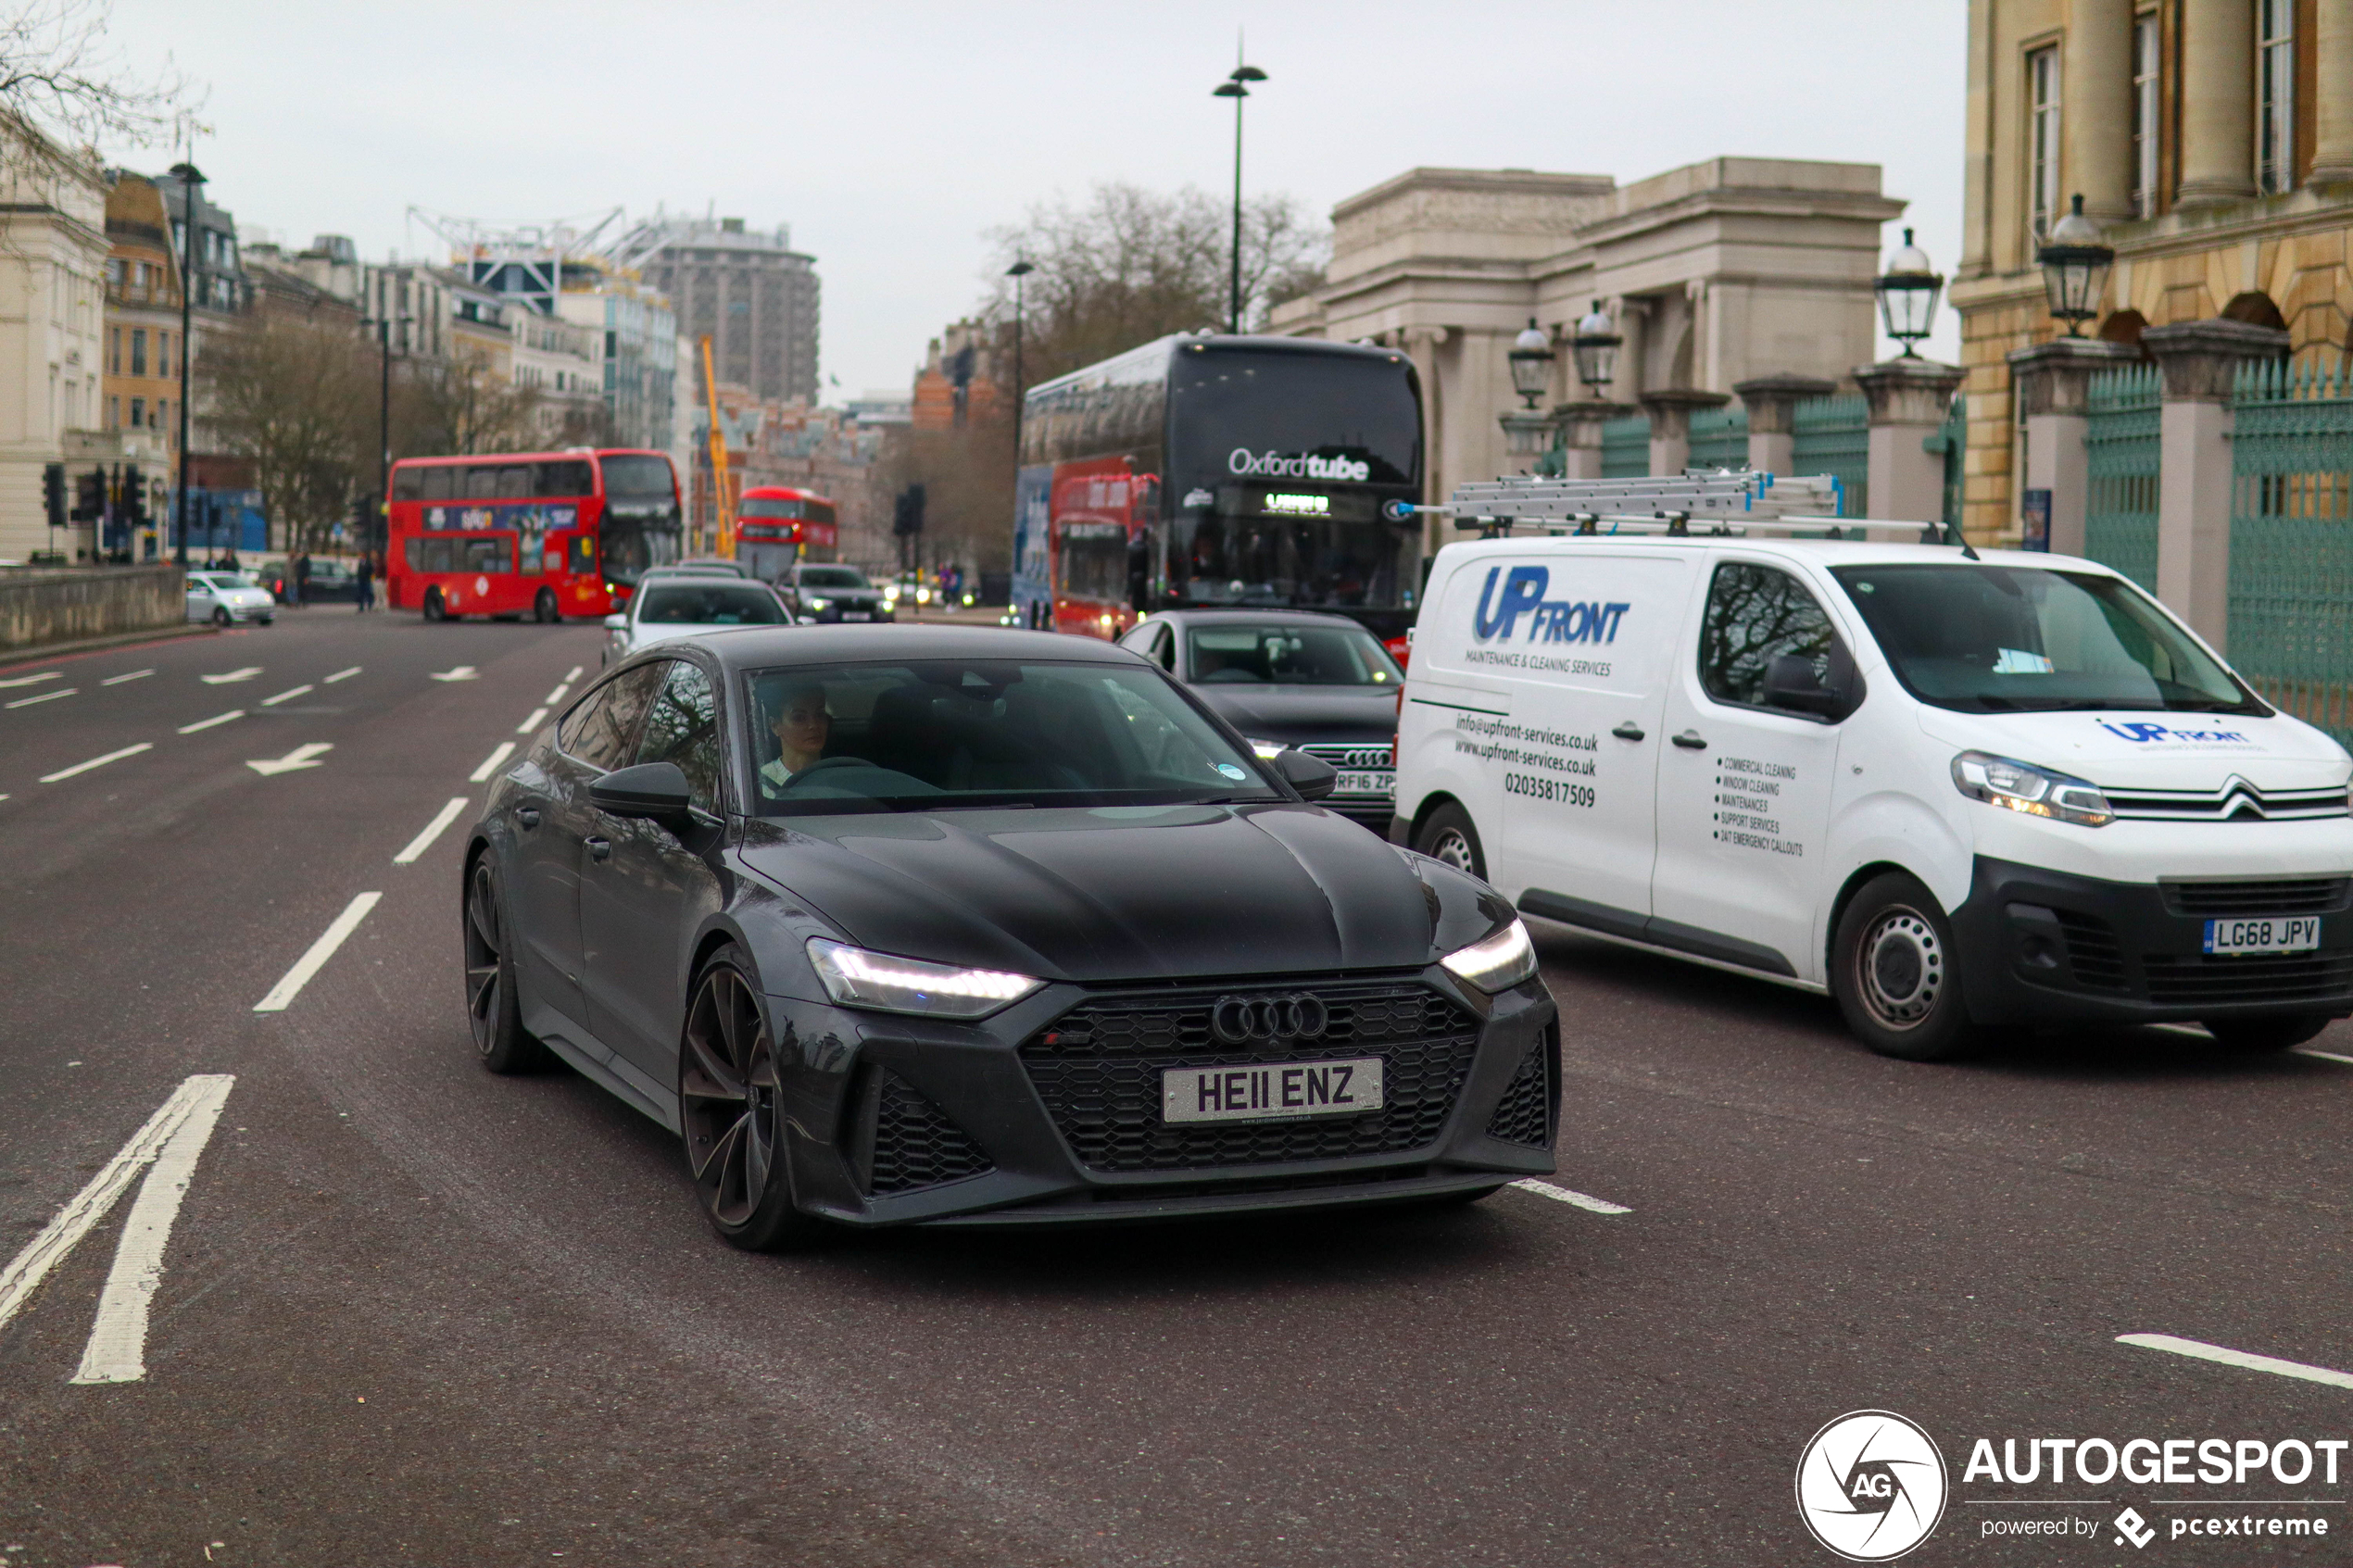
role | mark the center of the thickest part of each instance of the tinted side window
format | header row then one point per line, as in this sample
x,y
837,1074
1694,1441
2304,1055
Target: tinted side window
x,y
1756,613
558,480
683,727
603,733
408,484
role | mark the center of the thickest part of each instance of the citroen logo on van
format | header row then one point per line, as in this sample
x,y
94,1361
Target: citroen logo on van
x,y
1251,1021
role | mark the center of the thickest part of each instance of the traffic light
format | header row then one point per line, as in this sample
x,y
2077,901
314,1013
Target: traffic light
x,y
53,492
90,495
908,511
363,522
134,496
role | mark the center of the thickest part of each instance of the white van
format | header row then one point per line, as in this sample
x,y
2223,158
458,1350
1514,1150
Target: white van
x,y
1949,790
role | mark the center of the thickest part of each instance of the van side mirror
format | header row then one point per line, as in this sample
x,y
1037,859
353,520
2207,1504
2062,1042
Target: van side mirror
x,y
655,791
1792,682
1312,776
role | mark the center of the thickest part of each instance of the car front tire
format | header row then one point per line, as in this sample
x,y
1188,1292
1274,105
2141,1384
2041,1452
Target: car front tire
x,y
730,1107
1895,972
220,616
493,1009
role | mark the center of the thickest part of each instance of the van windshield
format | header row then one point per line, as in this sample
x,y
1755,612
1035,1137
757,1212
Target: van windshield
x,y
2005,639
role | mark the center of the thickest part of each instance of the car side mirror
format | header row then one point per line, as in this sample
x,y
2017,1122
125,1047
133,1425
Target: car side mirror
x,y
1312,776
616,623
655,791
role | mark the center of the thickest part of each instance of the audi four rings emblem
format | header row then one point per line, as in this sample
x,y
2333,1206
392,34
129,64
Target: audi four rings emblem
x,y
1369,757
1241,1020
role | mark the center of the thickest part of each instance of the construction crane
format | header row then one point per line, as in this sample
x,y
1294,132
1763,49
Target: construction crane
x,y
722,506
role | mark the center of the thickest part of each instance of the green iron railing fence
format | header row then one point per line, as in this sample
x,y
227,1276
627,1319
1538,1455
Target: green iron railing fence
x,y
1626,447
2291,605
2121,451
1834,437
1720,438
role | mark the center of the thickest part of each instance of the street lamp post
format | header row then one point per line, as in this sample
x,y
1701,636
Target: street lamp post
x,y
189,179
2075,268
1908,292
1595,347
1236,87
383,418
1020,270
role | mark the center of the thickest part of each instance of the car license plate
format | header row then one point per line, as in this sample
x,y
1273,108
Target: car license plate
x,y
2279,934
1383,784
1270,1091
857,615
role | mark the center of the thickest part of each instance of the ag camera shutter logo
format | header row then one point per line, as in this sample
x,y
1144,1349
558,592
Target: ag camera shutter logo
x,y
1871,1486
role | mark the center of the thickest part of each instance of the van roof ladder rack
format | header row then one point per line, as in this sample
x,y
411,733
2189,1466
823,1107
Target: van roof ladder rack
x,y
1705,503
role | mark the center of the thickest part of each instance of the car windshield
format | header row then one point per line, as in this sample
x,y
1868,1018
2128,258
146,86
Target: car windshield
x,y
2005,639
833,577
947,733
1339,655
668,602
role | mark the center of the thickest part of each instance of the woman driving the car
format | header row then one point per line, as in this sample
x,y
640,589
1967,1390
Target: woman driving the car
x,y
801,727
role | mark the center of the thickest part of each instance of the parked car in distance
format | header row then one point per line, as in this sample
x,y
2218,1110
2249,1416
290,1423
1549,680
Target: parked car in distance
x,y
1292,678
674,604
826,591
331,581
229,598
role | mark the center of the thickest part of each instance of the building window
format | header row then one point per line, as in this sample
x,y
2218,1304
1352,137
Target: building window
x,y
2041,142
163,353
114,351
2145,114
2275,97
138,412
138,357
114,413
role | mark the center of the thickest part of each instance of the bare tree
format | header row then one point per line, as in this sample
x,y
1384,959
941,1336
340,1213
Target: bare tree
x,y
458,407
292,397
59,70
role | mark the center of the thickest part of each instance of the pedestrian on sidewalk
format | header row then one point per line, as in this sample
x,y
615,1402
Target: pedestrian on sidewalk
x,y
366,579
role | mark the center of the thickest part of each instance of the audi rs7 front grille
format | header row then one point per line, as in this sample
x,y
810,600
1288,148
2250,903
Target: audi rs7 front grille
x,y
1525,1113
1098,1069
916,1144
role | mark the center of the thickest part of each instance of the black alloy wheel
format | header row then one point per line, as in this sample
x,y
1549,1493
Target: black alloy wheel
x,y
542,609
1893,972
220,615
492,1008
436,608
2253,1034
729,1097
1447,834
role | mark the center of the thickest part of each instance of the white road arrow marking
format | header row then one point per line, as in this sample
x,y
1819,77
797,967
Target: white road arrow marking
x,y
300,756
247,673
462,672
118,1348
32,680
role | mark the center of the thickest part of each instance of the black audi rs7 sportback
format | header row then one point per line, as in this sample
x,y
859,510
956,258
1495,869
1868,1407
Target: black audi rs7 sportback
x,y
933,925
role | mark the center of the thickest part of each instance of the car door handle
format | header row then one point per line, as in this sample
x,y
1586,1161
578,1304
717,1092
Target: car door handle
x,y
1691,740
1627,730
598,848
528,816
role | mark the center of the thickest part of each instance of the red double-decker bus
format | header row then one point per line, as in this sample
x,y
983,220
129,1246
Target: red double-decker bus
x,y
777,526
547,534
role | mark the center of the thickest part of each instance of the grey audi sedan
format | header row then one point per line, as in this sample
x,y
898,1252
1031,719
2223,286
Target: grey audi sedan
x,y
928,925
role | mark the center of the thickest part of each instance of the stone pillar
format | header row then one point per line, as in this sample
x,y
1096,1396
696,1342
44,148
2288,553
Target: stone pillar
x,y
1670,411
1633,318
2218,102
2333,106
1907,399
1421,347
1772,405
2200,362
2052,382
1581,434
2095,113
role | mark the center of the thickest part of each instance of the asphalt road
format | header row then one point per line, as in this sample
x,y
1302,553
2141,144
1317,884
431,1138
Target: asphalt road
x,y
409,1312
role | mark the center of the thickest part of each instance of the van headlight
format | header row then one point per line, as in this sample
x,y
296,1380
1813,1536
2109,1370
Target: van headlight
x,y
1498,964
856,978
2036,792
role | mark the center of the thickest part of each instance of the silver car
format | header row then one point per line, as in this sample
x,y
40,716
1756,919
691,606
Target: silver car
x,y
678,605
229,598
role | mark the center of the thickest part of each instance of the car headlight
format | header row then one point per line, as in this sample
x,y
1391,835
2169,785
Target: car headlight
x,y
856,978
1498,964
1268,749
2037,792
821,603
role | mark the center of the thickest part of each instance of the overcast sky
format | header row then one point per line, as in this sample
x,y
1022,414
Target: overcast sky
x,y
891,135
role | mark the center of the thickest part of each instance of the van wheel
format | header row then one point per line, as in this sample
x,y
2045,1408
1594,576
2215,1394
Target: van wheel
x,y
1448,836
435,609
2266,1033
1893,972
542,609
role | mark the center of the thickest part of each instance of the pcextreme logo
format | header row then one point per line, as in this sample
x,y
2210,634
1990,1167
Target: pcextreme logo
x,y
1871,1486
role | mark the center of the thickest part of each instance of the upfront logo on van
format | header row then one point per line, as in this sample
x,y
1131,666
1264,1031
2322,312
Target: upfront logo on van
x,y
1247,464
2144,733
1550,620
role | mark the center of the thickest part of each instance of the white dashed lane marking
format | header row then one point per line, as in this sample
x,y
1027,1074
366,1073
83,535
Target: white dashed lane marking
x,y
134,675
424,841
45,696
247,673
341,675
572,674
216,718
282,993
557,694
490,763
32,680
2325,1056
287,696
1564,1195
532,722
2199,1351
97,761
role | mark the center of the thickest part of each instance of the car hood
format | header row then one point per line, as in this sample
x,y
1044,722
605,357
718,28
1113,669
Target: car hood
x,y
1127,892
2129,749
1302,714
